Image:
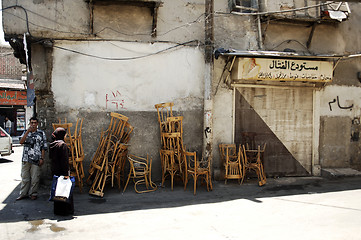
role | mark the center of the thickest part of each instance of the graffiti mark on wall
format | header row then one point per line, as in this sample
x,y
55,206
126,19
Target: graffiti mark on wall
x,y
207,130
338,104
115,99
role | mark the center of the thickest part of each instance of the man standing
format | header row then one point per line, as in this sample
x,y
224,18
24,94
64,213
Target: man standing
x,y
7,125
35,145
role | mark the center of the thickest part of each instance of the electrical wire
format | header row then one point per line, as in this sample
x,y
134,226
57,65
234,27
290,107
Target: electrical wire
x,y
127,58
280,11
26,15
288,41
197,20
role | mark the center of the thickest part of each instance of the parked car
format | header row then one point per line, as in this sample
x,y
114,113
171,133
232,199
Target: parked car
x,y
6,143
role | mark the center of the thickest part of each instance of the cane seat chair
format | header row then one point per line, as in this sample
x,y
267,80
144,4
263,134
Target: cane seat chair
x,y
253,160
198,170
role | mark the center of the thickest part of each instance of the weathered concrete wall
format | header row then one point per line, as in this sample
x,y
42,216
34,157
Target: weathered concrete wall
x,y
177,20
70,85
233,31
88,87
335,38
230,31
47,18
129,84
223,126
340,119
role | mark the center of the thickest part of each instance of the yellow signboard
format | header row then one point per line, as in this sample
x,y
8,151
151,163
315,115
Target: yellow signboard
x,y
282,70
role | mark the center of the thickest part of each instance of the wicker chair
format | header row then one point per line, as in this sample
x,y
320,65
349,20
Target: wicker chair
x,y
140,170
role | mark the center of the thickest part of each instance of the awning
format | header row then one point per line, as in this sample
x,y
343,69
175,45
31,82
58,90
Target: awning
x,y
279,69
276,54
12,84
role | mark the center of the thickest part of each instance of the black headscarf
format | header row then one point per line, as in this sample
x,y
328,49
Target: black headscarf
x,y
58,134
58,153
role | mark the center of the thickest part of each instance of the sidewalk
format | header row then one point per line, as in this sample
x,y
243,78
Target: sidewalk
x,y
314,208
285,208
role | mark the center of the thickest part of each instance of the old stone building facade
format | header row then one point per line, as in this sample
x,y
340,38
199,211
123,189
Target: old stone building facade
x,y
92,57
13,102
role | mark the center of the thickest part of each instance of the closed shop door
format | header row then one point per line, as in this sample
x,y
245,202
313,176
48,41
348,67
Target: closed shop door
x,y
283,119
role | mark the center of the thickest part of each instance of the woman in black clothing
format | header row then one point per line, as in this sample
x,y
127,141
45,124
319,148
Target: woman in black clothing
x,y
59,155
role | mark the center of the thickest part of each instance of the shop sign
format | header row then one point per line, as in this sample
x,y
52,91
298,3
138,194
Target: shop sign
x,y
282,70
12,97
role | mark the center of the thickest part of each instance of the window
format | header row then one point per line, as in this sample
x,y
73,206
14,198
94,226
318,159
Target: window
x,y
129,19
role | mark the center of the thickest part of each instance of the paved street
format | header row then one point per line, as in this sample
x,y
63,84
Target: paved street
x,y
285,208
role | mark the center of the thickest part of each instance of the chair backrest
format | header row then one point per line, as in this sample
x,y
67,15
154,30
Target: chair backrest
x,y
139,165
164,110
175,124
167,158
228,152
77,131
128,129
172,141
190,158
241,155
117,123
251,155
248,139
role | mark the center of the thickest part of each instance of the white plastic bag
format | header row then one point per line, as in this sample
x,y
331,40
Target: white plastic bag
x,y
63,187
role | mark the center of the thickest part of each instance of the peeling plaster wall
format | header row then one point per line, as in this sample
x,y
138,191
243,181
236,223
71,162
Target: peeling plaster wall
x,y
87,87
132,85
338,133
72,86
340,113
223,127
233,32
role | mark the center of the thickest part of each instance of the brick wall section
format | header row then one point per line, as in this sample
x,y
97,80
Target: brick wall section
x,y
10,67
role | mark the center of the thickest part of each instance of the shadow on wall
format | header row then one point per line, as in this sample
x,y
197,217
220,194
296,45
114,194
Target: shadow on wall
x,y
278,161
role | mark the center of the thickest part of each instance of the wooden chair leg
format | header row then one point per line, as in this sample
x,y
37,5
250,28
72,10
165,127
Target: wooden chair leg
x,y
195,184
126,184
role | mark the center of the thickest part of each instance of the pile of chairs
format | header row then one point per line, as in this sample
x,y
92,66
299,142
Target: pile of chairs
x,y
75,145
111,154
175,160
240,163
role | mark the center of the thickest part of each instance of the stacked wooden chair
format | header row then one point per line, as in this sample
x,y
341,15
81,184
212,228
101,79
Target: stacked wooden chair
x,y
246,160
253,161
175,160
233,164
171,134
111,154
76,152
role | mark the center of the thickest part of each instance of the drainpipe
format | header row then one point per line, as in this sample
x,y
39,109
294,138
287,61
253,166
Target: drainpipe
x,y
259,26
208,76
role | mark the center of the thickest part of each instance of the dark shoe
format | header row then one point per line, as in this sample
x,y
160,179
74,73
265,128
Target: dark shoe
x,y
33,197
21,198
